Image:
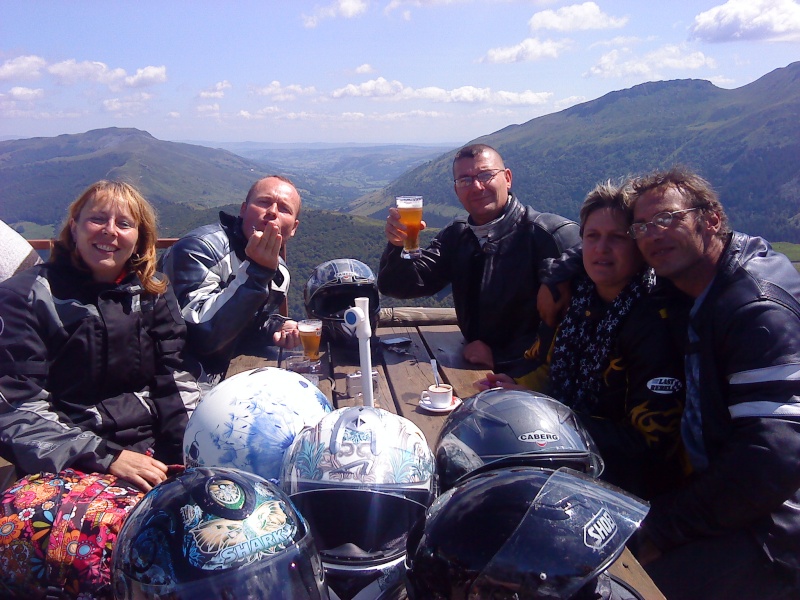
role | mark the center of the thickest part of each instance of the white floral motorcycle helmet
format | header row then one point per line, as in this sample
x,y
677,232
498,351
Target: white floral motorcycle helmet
x,y
362,477
250,420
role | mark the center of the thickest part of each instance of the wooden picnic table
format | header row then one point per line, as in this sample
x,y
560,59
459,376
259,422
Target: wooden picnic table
x,y
404,371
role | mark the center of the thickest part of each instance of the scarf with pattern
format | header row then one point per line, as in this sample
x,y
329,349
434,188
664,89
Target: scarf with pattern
x,y
583,343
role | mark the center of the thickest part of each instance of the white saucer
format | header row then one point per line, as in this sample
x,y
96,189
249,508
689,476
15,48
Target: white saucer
x,y
426,404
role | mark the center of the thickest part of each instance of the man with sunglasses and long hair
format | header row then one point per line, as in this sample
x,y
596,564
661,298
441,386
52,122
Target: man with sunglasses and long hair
x,y
491,257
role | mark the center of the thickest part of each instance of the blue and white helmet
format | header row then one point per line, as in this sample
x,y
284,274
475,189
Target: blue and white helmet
x,y
361,477
250,420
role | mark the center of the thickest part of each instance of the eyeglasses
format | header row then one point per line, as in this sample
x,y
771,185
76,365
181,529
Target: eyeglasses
x,y
661,220
483,178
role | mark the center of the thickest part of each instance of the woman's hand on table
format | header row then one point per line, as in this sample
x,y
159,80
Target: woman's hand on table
x,y
495,380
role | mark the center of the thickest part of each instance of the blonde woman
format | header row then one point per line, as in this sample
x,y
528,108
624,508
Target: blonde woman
x,y
93,390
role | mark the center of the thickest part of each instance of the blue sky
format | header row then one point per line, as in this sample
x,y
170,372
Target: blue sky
x,y
388,71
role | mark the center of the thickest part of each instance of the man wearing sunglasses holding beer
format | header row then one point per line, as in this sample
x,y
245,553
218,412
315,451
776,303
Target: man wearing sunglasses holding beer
x,y
491,258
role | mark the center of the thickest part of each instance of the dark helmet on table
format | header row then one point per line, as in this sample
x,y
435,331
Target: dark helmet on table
x,y
362,477
500,428
332,289
523,533
216,533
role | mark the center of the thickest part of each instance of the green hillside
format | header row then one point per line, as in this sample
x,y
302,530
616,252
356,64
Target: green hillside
x,y
746,141
41,176
322,236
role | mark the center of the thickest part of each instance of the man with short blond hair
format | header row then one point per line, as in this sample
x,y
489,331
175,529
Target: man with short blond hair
x,y
230,279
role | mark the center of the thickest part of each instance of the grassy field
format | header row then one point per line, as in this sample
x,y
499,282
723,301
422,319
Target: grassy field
x,y
790,250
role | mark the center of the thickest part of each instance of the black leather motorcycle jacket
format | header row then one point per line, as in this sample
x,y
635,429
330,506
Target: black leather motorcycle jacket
x,y
748,324
494,286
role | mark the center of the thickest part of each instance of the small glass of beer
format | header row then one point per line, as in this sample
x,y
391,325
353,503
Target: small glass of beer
x,y
310,335
410,209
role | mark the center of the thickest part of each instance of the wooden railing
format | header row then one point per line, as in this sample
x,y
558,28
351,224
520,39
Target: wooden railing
x,y
47,244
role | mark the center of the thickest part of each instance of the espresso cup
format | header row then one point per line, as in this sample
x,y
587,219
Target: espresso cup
x,y
438,396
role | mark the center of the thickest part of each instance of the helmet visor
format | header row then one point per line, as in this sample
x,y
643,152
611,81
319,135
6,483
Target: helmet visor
x,y
360,527
294,574
575,527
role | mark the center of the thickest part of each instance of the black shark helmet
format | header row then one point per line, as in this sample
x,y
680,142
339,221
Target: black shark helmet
x,y
216,533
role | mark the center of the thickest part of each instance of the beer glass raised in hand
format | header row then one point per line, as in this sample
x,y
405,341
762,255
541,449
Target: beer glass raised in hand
x,y
410,209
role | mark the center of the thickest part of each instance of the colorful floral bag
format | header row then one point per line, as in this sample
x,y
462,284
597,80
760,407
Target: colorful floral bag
x,y
57,533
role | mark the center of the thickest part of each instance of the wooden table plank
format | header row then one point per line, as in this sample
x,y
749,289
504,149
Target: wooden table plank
x,y
408,370
347,361
446,344
246,362
628,569
274,357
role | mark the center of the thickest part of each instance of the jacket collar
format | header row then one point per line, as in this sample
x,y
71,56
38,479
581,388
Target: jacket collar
x,y
233,228
505,226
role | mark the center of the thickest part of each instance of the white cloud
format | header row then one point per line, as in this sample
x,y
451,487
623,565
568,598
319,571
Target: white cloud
x,y
373,88
282,93
407,115
357,116
529,49
395,90
364,69
570,101
22,67
619,63
8,109
261,113
347,9
305,116
620,40
722,81
70,72
526,98
147,76
128,107
577,17
217,90
417,4
25,94
174,114
762,20
208,109
353,116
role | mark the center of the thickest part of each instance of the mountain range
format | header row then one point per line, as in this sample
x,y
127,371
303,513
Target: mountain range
x,y
745,141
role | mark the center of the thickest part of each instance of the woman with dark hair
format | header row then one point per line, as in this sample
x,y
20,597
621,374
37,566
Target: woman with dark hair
x,y
613,359
94,395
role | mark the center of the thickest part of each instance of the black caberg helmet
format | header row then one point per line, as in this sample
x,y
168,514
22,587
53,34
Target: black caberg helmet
x,y
216,533
522,533
501,428
332,289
